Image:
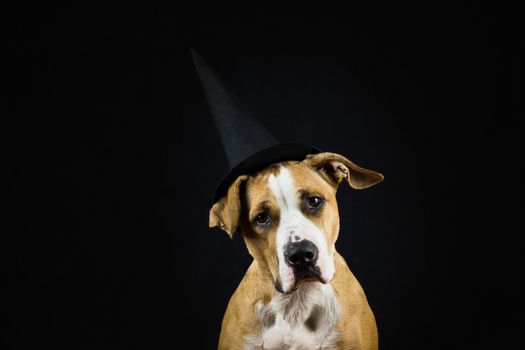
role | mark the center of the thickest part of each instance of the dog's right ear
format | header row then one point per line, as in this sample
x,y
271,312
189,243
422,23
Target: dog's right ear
x,y
225,213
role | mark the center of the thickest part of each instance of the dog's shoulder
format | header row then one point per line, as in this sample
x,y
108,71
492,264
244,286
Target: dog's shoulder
x,y
357,326
240,318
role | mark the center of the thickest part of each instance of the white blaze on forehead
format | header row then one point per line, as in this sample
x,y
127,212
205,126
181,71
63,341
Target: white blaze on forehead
x,y
293,225
283,189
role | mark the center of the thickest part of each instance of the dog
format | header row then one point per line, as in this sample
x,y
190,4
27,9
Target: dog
x,y
298,293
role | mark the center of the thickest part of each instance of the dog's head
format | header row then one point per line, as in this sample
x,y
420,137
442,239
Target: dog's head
x,y
289,217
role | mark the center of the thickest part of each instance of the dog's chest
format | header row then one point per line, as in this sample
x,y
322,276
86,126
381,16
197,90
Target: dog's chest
x,y
304,319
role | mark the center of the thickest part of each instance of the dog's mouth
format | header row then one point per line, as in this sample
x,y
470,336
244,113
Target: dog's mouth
x,y
307,273
302,275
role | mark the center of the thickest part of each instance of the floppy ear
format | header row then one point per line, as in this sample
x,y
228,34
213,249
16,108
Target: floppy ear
x,y
226,211
334,168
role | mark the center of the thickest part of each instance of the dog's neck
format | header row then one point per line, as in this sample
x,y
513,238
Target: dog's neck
x,y
305,304
304,318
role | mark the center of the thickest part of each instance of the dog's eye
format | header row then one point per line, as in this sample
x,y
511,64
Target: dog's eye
x,y
315,202
261,218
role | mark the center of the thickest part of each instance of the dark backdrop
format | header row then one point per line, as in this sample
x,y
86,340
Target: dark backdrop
x,y
114,160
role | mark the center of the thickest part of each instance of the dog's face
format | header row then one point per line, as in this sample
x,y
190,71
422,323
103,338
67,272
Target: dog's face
x,y
289,217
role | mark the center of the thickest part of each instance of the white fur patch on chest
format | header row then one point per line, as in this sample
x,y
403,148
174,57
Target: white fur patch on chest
x,y
302,320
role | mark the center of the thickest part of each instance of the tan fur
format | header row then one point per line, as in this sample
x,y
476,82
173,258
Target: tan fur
x,y
318,174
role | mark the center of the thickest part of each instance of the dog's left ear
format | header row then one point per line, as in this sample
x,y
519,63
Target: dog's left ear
x,y
334,168
226,212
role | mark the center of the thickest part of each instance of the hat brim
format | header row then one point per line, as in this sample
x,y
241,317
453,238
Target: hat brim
x,y
262,159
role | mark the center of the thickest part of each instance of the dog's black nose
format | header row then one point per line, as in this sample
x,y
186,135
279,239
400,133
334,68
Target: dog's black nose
x,y
300,253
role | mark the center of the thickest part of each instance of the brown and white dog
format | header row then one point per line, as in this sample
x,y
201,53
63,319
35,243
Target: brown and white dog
x,y
298,293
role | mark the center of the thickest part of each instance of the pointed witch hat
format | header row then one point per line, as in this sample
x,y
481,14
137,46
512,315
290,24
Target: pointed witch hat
x,y
249,147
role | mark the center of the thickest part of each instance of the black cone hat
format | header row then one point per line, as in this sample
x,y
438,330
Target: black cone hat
x,y
249,147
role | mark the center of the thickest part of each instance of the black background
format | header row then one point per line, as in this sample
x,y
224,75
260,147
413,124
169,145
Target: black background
x,y
114,159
